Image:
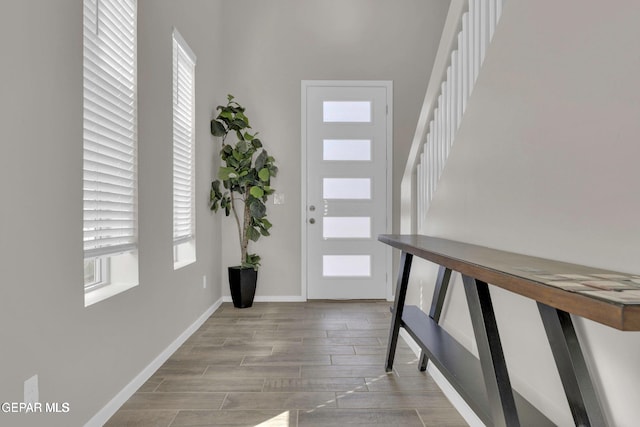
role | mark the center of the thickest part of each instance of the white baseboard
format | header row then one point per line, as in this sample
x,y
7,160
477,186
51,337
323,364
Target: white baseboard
x,y
110,408
447,389
285,298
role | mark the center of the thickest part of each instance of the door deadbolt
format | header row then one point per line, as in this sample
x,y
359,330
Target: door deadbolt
x,y
312,208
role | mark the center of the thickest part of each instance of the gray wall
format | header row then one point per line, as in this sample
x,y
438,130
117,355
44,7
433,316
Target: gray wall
x,y
270,46
85,356
546,164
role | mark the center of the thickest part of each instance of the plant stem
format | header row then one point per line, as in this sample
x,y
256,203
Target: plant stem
x,y
247,223
243,251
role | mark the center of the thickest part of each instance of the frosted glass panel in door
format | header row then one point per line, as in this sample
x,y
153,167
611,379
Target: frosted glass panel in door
x,y
346,188
346,111
346,265
344,227
346,149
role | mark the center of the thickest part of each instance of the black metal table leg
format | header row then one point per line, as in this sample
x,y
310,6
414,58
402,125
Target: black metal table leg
x,y
437,302
494,368
572,367
398,306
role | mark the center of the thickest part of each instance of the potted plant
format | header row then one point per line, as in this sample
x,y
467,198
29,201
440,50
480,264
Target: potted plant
x,y
245,174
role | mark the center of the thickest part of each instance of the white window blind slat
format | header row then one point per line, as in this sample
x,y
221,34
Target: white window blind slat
x,y
183,140
110,155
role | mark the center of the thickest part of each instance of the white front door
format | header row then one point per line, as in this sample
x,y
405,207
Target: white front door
x,y
346,149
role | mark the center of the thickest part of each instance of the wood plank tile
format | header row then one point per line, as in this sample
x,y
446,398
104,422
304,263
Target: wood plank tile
x,y
442,416
342,341
412,399
209,385
299,400
326,325
383,324
127,418
382,350
151,384
218,332
172,368
395,383
293,333
313,349
314,384
199,339
174,401
408,369
232,350
239,326
264,418
239,373
358,360
263,341
211,358
337,371
287,360
355,333
363,417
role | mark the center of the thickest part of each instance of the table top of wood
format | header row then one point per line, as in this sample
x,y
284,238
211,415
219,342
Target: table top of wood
x,y
608,297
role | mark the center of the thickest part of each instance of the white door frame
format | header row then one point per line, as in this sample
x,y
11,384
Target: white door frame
x,y
303,170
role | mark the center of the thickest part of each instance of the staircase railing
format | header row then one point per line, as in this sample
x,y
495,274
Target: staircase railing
x,y
468,30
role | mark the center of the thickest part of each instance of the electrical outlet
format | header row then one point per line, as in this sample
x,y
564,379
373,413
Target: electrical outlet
x,y
31,394
278,198
204,282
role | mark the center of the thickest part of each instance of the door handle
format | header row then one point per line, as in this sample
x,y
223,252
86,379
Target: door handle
x,y
312,221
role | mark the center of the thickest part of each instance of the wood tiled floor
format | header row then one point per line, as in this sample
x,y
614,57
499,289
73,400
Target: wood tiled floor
x,y
290,364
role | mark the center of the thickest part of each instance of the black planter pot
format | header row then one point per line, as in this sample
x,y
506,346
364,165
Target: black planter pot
x,y
242,282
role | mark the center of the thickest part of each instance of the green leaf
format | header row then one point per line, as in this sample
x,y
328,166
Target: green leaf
x,y
260,160
251,261
264,225
257,209
240,115
217,128
214,196
239,123
226,114
253,234
256,192
256,143
264,174
242,146
227,173
225,203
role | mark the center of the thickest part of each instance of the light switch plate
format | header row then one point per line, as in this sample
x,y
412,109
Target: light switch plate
x,y
278,198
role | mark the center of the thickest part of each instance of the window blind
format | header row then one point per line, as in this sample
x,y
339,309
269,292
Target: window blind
x,y
109,162
183,140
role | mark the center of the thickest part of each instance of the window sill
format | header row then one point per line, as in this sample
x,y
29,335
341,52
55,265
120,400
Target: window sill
x,y
184,263
106,292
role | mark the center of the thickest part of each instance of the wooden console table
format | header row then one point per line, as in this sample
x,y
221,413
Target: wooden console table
x,y
559,288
